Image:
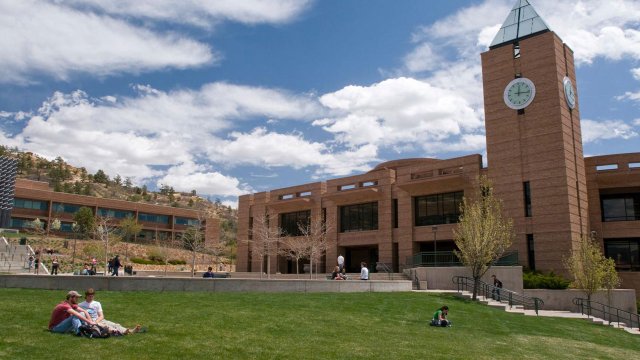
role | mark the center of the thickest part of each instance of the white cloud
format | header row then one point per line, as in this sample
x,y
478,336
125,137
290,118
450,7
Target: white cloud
x,y
629,96
606,130
201,13
45,37
636,73
397,111
156,134
422,58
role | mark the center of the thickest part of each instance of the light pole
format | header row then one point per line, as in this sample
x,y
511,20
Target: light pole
x,y
434,228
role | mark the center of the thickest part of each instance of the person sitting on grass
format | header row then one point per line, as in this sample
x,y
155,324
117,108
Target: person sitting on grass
x,y
440,317
94,309
68,316
336,274
209,273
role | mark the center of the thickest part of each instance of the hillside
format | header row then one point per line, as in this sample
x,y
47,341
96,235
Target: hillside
x,y
63,177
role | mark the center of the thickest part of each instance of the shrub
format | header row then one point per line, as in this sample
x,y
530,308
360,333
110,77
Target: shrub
x,y
538,280
177,262
146,261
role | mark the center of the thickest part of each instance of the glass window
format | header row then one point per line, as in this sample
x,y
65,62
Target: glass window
x,y
160,219
289,222
527,198
360,217
115,214
30,204
620,207
186,221
438,208
65,208
625,252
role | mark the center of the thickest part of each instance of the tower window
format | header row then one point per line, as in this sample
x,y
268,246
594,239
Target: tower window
x,y
527,198
531,254
516,51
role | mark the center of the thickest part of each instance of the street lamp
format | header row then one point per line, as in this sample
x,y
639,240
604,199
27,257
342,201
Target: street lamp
x,y
434,228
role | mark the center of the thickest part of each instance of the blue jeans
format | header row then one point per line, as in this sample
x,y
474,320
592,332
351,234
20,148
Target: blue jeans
x,y
70,324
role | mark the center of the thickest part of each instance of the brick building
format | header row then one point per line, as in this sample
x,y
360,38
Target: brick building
x,y
34,199
535,161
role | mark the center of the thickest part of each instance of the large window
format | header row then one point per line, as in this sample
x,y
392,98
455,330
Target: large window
x,y
29,204
438,208
289,222
115,214
527,198
65,208
160,219
625,252
187,221
620,207
361,217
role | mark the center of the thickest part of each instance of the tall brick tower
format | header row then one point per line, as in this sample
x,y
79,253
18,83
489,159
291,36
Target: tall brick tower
x,y
534,144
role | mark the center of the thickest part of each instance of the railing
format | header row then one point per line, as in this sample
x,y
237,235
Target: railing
x,y
498,294
382,267
449,259
608,313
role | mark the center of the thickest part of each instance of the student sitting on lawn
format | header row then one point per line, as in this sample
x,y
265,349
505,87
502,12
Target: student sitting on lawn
x,y
68,316
94,309
440,317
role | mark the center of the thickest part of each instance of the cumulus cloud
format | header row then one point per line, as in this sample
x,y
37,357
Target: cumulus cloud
x,y
593,131
633,96
156,134
396,111
636,73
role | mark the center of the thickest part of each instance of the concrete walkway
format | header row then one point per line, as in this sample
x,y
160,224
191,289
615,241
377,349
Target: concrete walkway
x,y
549,313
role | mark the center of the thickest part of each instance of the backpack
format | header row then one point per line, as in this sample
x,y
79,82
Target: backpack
x,y
94,331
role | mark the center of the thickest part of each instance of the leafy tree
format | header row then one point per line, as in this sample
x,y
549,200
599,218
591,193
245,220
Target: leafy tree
x,y
129,228
85,221
117,180
591,271
482,235
128,183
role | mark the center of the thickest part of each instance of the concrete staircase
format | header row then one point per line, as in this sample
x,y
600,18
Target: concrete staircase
x,y
13,259
550,313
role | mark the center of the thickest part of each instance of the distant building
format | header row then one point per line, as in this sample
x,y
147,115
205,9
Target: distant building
x,y
8,169
34,199
535,161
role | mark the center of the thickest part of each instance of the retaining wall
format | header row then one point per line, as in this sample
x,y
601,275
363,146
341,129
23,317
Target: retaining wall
x,y
108,283
624,299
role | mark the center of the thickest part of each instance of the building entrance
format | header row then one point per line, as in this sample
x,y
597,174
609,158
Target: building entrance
x,y
353,256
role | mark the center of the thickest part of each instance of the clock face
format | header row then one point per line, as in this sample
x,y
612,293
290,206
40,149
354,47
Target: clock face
x,y
569,93
519,93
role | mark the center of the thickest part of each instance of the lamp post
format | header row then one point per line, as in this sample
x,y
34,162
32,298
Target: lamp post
x,y
434,228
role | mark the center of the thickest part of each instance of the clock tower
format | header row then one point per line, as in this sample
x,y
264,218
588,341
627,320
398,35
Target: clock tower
x,y
534,143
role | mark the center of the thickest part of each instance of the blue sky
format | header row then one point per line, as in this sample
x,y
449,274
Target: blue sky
x,y
231,97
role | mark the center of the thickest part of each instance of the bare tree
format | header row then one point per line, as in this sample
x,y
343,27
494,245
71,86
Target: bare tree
x,y
482,235
314,234
295,248
591,271
265,241
107,232
193,238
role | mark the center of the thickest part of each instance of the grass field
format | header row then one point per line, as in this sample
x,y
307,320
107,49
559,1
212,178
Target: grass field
x,y
303,326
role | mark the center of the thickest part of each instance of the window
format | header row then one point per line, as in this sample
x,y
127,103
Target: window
x,y
531,254
527,198
65,208
20,223
30,204
361,217
438,208
289,222
625,252
187,221
66,227
160,219
620,207
115,214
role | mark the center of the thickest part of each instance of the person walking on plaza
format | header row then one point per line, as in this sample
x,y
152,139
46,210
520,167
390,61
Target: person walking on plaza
x,y
364,272
341,263
54,266
68,316
116,265
497,287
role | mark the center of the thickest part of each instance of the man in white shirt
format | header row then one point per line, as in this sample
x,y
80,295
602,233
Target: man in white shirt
x,y
94,308
341,263
364,272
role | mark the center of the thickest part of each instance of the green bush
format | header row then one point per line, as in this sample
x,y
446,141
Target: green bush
x,y
177,262
146,261
538,280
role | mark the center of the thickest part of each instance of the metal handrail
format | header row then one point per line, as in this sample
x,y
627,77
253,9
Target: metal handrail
x,y
380,266
607,312
450,259
488,290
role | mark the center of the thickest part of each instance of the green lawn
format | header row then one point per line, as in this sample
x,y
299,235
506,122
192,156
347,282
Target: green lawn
x,y
303,326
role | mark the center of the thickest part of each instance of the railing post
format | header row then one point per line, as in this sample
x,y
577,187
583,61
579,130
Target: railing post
x,y
511,299
535,304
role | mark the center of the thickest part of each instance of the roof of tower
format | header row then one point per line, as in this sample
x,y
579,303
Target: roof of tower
x,y
522,21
